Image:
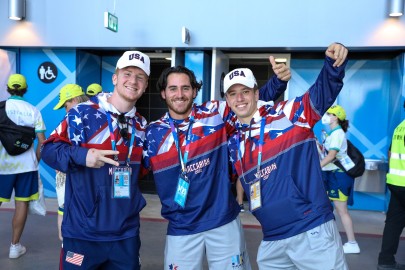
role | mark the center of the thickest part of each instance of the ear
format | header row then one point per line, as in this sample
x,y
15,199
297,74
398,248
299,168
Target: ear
x,y
227,100
257,95
114,79
163,94
194,93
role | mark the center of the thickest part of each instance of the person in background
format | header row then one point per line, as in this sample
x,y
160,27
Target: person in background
x,y
339,185
69,96
93,90
395,219
187,151
97,141
275,155
20,172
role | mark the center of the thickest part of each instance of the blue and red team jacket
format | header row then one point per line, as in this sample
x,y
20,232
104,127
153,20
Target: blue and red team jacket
x,y
210,201
293,196
91,213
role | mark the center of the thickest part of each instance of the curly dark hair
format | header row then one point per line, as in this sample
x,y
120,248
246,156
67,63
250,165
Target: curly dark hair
x,y
162,81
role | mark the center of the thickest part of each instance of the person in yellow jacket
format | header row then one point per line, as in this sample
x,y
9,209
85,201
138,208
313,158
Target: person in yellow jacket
x,y
395,219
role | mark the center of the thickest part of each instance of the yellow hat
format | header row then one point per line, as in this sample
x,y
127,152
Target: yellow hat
x,y
93,89
68,92
17,80
338,111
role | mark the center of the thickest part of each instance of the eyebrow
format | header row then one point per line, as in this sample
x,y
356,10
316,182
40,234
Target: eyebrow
x,y
180,86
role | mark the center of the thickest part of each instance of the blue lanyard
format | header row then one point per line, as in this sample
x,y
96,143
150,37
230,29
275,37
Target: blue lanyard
x,y
183,160
261,142
113,142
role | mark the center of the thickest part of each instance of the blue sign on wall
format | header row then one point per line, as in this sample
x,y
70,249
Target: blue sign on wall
x,y
44,93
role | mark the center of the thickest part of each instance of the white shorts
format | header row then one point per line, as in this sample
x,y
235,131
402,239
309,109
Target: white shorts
x,y
224,246
318,248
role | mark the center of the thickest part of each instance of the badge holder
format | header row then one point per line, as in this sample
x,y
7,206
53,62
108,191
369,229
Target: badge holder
x,y
255,195
121,182
182,190
121,175
183,183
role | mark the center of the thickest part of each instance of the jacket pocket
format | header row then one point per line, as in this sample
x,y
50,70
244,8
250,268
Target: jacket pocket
x,y
112,215
283,204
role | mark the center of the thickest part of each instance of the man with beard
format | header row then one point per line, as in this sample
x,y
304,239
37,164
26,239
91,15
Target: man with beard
x,y
187,151
98,141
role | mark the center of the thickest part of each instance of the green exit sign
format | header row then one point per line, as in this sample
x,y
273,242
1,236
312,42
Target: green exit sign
x,y
110,21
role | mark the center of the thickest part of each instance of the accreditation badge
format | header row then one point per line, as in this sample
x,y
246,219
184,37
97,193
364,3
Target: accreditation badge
x,y
255,195
121,182
182,191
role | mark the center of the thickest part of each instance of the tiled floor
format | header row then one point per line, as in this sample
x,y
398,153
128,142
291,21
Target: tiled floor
x,y
40,237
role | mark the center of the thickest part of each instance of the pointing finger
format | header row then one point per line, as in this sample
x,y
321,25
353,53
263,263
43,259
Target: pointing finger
x,y
108,152
109,161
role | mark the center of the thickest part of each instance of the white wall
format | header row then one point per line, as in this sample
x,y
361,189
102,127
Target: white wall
x,y
7,67
212,23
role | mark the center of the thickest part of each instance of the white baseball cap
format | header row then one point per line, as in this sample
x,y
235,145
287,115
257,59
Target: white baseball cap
x,y
239,76
134,59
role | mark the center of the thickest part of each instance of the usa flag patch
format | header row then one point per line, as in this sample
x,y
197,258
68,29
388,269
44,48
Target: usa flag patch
x,y
74,258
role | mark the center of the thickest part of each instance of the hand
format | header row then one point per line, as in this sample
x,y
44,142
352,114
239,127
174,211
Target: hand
x,y
97,158
281,70
338,52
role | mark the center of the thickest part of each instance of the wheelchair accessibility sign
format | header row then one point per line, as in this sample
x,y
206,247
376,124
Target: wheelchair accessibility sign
x,y
47,72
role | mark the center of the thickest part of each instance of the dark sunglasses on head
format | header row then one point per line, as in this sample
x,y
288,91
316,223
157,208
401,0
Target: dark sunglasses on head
x,y
123,131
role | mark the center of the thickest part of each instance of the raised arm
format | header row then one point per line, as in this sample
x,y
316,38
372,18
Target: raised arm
x,y
330,80
277,84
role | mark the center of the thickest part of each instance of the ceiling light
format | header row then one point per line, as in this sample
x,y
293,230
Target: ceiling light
x,y
395,8
16,9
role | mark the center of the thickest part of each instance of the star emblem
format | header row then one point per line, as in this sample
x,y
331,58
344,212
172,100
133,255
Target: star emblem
x,y
77,120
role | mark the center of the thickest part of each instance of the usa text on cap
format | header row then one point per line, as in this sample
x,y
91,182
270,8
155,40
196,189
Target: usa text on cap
x,y
134,59
239,76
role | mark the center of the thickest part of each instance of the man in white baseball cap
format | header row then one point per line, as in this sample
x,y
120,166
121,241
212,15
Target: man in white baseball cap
x,y
115,223
243,104
134,59
240,75
274,154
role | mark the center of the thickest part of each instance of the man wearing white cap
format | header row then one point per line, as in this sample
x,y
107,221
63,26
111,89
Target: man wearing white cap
x,y
187,152
275,155
98,142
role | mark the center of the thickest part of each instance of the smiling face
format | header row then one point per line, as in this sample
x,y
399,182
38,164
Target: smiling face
x,y
243,101
130,83
179,95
